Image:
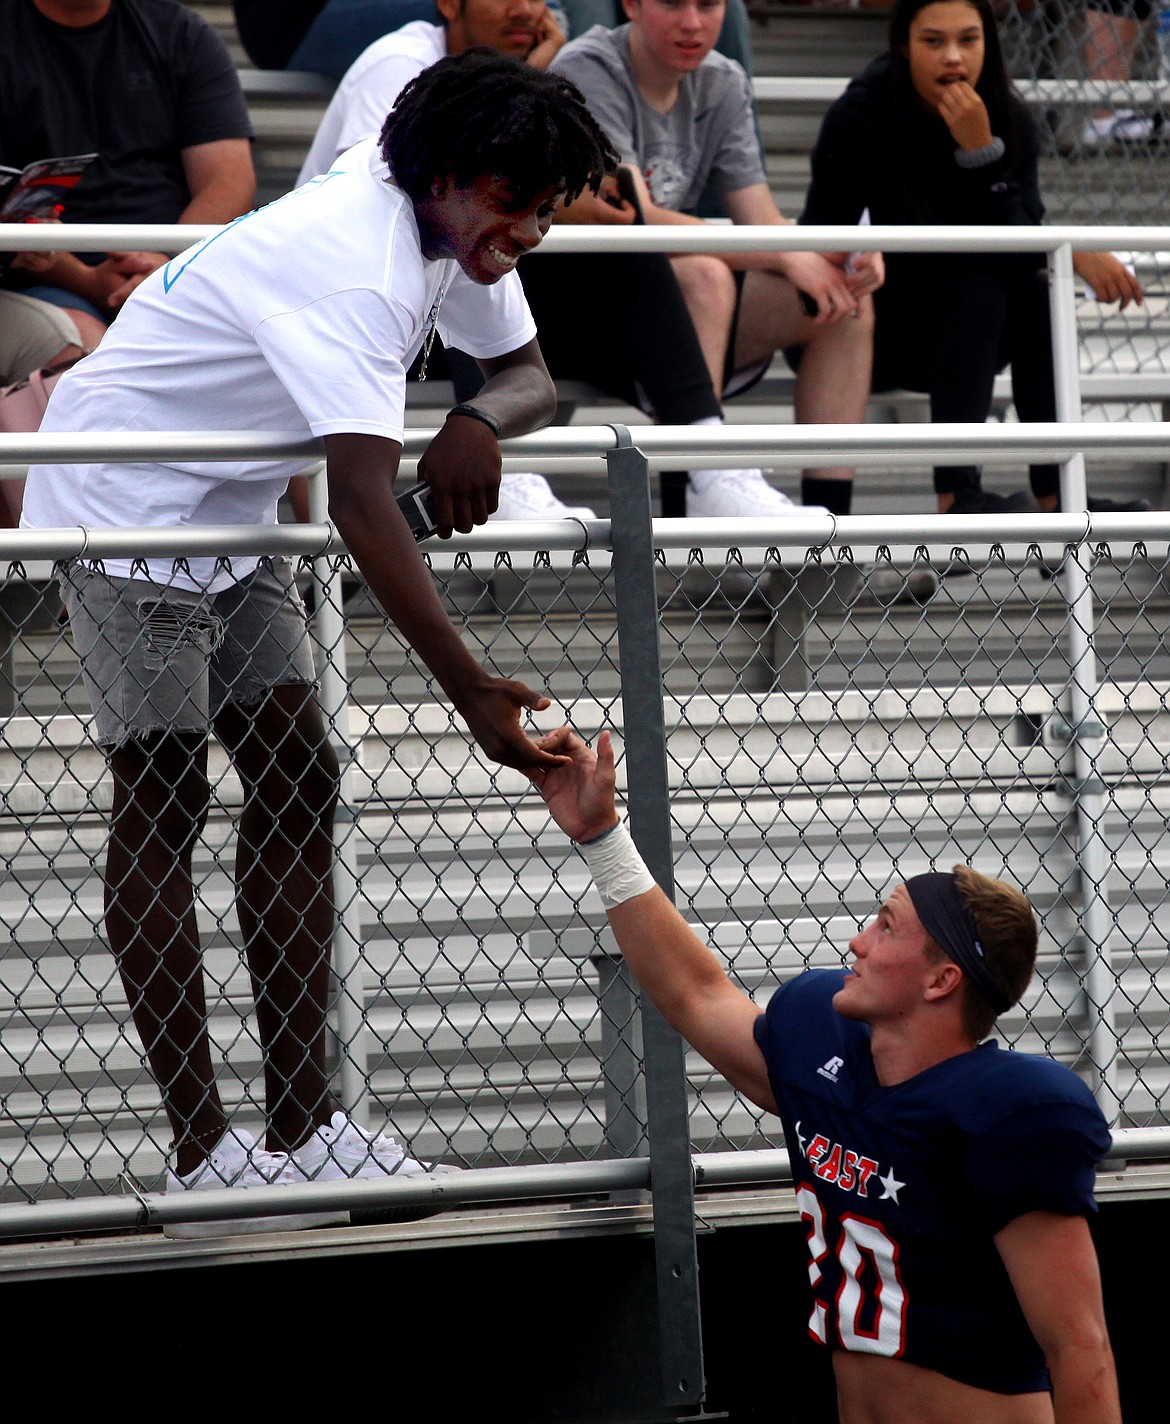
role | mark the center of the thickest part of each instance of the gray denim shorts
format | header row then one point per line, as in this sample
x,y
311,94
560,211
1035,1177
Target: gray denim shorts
x,y
159,658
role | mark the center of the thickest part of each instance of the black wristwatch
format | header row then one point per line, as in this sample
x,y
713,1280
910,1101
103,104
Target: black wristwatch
x,y
476,414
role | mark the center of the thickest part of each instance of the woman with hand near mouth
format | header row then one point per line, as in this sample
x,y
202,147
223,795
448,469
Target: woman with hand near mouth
x,y
933,133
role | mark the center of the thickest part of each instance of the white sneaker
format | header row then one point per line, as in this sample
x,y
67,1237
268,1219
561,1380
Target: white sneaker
x,y
342,1149
744,494
531,497
236,1161
1122,126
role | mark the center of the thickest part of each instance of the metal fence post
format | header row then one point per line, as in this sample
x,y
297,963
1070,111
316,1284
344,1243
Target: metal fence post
x,y
1087,729
621,1057
348,1013
671,1174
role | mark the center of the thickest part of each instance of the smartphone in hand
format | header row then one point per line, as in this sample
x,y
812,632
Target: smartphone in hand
x,y
418,507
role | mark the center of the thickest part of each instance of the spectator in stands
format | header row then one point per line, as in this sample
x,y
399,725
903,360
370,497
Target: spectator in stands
x,y
233,336
1113,31
681,118
932,132
646,349
150,88
946,1185
326,36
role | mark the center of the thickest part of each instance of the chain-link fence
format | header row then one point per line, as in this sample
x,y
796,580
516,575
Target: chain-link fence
x,y
835,719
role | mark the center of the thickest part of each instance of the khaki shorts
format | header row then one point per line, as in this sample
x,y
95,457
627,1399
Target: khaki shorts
x,y
31,334
157,658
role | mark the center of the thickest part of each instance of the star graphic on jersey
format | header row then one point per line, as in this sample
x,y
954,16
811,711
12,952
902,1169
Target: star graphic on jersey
x,y
800,1137
890,1187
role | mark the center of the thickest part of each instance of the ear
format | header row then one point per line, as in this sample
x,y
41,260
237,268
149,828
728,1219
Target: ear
x,y
943,981
631,7
449,9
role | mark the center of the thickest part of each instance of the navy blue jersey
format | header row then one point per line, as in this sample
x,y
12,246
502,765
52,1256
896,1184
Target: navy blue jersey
x,y
903,1188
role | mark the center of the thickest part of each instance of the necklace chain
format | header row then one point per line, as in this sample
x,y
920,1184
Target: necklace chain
x,y
432,326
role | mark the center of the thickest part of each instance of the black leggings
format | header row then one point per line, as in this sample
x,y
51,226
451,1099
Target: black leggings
x,y
947,327
619,321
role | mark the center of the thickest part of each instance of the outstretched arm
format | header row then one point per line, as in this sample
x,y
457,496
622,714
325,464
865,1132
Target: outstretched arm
x,y
681,976
361,470
1053,1268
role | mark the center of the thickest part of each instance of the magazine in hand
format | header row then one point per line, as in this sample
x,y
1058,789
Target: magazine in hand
x,y
39,191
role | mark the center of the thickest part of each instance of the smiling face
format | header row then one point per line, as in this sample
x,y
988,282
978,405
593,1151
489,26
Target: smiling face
x,y
480,228
677,35
507,26
946,46
891,968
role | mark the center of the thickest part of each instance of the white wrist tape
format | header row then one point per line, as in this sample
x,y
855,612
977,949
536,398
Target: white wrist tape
x,y
618,871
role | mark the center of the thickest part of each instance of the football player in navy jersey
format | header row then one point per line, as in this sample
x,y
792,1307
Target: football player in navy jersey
x,y
945,1184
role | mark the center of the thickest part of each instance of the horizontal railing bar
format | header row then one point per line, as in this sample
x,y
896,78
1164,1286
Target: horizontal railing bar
x,y
771,89
492,1184
785,446
708,237
937,535
778,89
482,1185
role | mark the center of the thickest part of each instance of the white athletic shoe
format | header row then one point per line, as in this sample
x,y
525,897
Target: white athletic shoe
x,y
342,1149
531,497
1122,126
744,494
236,1161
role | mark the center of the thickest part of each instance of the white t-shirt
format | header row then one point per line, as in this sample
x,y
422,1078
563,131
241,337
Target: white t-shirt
x,y
369,89
302,317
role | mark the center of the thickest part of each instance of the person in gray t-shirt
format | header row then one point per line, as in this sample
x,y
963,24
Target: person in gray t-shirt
x,y
680,115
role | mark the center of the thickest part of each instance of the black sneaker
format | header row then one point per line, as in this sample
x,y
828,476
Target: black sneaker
x,y
984,502
1118,506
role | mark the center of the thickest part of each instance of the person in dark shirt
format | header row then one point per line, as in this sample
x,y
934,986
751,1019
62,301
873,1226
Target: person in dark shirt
x,y
151,89
945,1183
933,133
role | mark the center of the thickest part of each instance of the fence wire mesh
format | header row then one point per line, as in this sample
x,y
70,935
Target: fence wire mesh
x,y
1105,156
832,725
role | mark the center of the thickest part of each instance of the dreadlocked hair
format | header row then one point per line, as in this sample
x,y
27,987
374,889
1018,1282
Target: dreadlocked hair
x,y
480,113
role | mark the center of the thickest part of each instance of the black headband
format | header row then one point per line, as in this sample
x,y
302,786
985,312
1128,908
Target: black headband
x,y
947,919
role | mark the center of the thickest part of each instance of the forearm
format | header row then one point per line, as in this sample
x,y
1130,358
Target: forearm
x,y
377,536
671,964
519,399
70,274
1084,1384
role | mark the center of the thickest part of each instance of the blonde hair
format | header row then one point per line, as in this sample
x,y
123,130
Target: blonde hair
x,y
1009,936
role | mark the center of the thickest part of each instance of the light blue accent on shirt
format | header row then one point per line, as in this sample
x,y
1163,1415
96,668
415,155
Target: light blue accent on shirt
x,y
178,265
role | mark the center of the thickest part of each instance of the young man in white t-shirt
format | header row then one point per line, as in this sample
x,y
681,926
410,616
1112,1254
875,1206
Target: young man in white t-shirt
x,y
680,116
523,29
302,317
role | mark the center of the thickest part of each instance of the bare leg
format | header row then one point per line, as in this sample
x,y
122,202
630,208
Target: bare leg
x,y
284,879
832,385
708,287
160,806
1111,42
